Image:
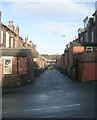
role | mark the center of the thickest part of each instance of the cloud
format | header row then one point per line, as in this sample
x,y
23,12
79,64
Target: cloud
x,y
55,18
54,28
58,29
46,9
45,0
49,10
87,1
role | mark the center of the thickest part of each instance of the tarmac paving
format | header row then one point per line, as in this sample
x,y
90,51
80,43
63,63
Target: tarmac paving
x,y
52,95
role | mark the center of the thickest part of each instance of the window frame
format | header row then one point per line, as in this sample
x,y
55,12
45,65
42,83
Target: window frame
x,y
9,65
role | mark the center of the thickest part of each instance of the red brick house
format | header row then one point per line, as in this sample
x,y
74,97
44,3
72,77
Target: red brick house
x,y
82,52
14,64
15,59
10,36
89,32
18,58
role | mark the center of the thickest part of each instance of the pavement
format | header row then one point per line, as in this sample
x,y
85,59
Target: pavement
x,y
52,95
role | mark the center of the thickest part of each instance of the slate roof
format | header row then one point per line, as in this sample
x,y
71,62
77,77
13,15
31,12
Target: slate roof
x,y
17,52
84,44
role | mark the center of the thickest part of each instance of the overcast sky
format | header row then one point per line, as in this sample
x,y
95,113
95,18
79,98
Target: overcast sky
x,y
45,21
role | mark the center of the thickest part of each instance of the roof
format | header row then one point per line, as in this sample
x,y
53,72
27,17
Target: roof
x,y
17,52
83,44
2,25
87,18
86,57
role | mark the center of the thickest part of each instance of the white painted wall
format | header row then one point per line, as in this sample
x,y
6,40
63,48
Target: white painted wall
x,y
7,39
1,36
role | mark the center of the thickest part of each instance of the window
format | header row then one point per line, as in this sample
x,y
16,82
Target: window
x,y
85,23
94,19
92,36
86,36
7,65
81,38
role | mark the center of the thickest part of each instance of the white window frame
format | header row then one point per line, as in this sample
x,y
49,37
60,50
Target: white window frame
x,y
9,65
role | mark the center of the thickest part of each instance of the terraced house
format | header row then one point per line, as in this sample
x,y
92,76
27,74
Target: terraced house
x,y
16,56
81,53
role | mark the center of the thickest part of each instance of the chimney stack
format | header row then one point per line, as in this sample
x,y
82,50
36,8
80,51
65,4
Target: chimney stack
x,y
26,39
11,26
17,30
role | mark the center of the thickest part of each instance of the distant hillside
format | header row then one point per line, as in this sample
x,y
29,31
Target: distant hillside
x,y
50,57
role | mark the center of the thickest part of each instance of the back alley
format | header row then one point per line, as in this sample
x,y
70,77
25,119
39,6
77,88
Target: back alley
x,y
52,95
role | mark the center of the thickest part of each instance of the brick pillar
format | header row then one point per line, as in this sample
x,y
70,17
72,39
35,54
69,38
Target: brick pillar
x,y
17,42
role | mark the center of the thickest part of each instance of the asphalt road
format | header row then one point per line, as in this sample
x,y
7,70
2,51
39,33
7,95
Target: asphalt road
x,y
52,95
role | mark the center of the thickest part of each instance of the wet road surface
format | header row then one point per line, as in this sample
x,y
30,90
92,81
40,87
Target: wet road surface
x,y
52,95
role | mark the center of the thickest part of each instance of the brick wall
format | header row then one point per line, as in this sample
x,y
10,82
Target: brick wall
x,y
19,72
78,49
66,60
1,65
22,65
19,65
14,65
86,57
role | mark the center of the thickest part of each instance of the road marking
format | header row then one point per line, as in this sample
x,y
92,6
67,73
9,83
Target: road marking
x,y
33,110
39,109
56,107
57,91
